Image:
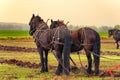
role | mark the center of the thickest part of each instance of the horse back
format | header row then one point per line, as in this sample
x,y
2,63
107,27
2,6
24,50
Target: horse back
x,y
87,35
116,35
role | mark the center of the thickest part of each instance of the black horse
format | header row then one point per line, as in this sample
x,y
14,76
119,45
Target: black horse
x,y
116,35
58,39
87,39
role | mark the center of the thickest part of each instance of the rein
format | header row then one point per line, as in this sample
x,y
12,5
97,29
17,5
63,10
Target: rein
x,y
39,29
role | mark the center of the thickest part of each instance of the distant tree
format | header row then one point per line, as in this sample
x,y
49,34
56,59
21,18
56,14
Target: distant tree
x,y
117,27
100,29
104,28
94,27
71,27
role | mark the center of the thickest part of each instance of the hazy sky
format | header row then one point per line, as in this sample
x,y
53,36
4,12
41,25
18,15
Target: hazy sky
x,y
77,12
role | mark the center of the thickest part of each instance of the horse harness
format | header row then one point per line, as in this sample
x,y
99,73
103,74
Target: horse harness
x,y
85,37
41,29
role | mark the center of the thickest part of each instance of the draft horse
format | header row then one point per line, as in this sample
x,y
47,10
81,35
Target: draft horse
x,y
58,39
116,35
87,39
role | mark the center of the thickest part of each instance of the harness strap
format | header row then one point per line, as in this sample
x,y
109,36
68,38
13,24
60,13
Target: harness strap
x,y
85,36
56,42
84,70
54,53
39,29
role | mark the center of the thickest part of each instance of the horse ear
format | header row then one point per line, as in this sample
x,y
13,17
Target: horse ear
x,y
51,21
33,15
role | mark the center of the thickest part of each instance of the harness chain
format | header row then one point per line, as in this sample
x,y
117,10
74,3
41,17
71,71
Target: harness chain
x,y
84,70
41,26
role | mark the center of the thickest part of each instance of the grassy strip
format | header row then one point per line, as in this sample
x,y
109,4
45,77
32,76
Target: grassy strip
x,y
26,33
103,34
14,33
10,72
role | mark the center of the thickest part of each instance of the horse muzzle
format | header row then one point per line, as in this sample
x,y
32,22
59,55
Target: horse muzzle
x,y
31,33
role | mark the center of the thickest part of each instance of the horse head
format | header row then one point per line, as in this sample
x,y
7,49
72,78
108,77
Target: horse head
x,y
34,22
55,24
111,32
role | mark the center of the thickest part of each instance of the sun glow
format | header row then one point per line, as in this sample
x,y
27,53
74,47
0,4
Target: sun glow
x,y
4,7
78,12
4,3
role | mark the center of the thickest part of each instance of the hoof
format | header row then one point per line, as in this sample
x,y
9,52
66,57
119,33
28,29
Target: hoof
x,y
96,72
42,71
46,70
89,72
57,74
67,74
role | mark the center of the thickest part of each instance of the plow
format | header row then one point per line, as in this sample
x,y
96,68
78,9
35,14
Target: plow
x,y
110,71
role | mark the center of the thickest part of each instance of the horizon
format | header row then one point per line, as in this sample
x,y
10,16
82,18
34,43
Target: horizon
x,y
77,12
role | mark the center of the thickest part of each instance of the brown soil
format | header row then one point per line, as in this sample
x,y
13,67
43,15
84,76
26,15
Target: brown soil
x,y
73,69
110,53
20,63
15,48
25,49
31,65
23,64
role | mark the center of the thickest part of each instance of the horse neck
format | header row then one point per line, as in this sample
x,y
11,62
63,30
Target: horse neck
x,y
114,31
42,26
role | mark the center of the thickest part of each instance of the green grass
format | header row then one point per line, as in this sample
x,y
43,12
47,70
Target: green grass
x,y
103,34
26,33
10,72
13,72
9,33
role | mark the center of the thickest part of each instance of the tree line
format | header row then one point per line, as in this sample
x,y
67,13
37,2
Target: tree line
x,y
20,26
13,26
99,29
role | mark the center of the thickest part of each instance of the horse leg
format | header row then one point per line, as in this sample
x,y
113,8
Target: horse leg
x,y
59,68
40,50
66,63
46,60
96,55
117,45
66,51
97,62
89,69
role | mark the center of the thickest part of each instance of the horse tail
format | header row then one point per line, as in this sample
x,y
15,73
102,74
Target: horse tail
x,y
96,51
66,52
97,44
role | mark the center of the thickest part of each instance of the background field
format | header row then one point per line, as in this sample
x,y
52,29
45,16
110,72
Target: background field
x,y
22,39
20,73
13,33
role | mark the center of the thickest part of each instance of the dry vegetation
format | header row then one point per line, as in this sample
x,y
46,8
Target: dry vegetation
x,y
17,69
